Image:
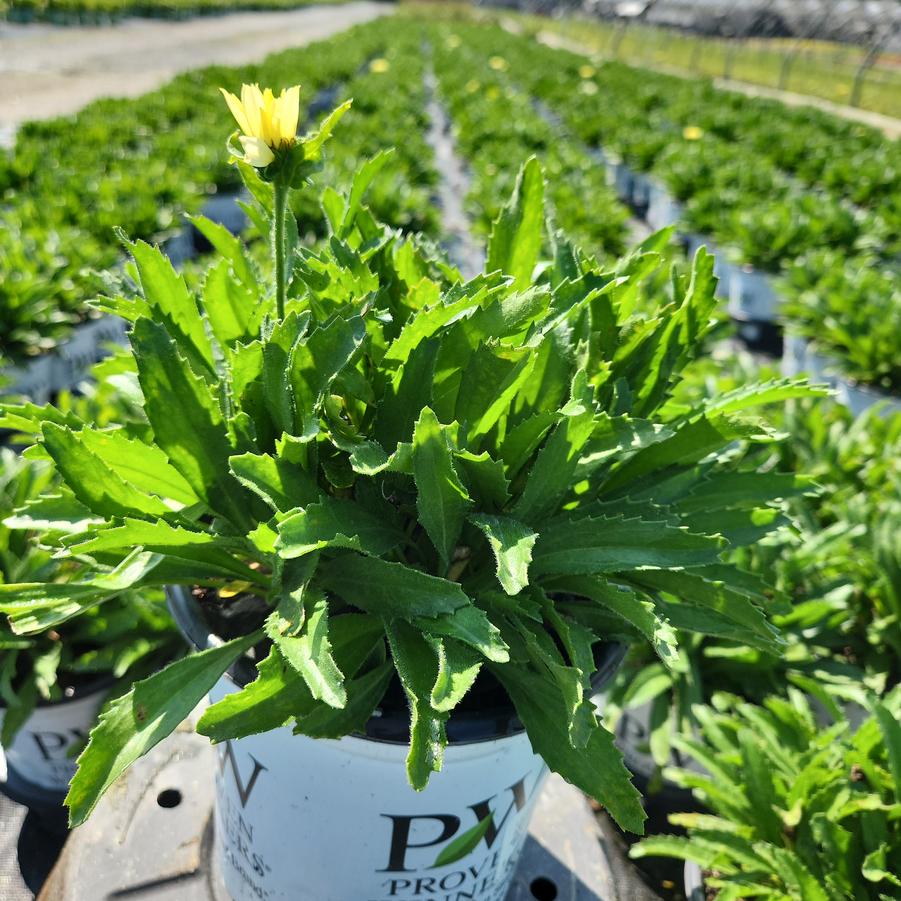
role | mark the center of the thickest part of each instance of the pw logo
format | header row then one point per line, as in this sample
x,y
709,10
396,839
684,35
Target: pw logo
x,y
227,757
448,826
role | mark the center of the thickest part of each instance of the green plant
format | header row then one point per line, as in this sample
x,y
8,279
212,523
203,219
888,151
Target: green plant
x,y
411,477
836,567
127,638
799,809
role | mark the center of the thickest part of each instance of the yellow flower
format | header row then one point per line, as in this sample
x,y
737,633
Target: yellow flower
x,y
586,71
453,41
379,66
692,133
498,63
268,122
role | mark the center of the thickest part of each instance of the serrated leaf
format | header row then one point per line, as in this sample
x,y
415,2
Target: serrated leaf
x,y
390,589
606,544
516,235
417,665
93,482
625,603
441,498
597,769
281,484
471,626
187,422
511,542
310,653
335,522
133,724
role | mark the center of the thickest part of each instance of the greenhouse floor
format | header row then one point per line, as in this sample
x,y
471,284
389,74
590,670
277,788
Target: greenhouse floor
x,y
151,837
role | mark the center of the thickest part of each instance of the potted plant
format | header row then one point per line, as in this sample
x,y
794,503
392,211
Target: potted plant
x,y
53,681
798,810
388,494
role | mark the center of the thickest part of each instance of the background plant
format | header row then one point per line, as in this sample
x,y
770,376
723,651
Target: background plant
x,y
799,809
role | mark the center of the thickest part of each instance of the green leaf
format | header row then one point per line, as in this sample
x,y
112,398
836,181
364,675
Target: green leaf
x,y
363,695
172,305
463,844
335,522
606,544
550,479
34,607
231,308
696,589
516,235
279,693
417,665
231,248
625,603
512,543
92,481
484,478
133,724
281,484
597,768
441,498
160,537
390,589
312,143
187,422
891,735
471,626
458,667
310,653
140,464
362,180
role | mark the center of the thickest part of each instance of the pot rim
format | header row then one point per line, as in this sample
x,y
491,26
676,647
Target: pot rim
x,y
462,728
102,683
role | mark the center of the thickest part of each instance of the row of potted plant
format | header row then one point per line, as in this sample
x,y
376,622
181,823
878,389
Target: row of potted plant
x,y
494,126
101,12
54,681
405,517
154,159
839,265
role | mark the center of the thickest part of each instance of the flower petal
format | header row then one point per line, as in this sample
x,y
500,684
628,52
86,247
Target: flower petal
x,y
252,99
237,110
289,113
256,151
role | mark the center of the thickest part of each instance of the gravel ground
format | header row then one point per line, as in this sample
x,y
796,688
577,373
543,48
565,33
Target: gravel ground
x,y
49,70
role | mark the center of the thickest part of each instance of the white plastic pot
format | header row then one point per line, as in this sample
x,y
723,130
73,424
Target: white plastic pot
x,y
694,882
858,398
663,209
301,819
751,296
623,181
794,355
43,752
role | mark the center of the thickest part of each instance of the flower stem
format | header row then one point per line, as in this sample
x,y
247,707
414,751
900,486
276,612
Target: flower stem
x,y
280,206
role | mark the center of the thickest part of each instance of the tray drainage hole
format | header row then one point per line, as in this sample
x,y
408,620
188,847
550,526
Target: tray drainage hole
x,y
171,797
543,889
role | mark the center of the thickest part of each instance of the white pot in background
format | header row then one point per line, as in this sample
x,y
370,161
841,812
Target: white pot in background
x,y
43,751
663,209
820,368
751,295
794,355
301,819
858,398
